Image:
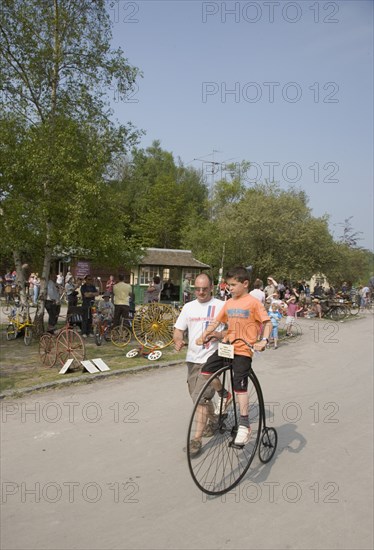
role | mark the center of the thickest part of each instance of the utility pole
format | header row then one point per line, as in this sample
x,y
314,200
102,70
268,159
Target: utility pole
x,y
213,169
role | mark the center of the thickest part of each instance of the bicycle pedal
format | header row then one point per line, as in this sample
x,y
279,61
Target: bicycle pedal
x,y
235,446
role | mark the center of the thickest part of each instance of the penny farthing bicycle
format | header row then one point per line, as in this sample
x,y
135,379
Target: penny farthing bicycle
x,y
221,465
64,344
152,327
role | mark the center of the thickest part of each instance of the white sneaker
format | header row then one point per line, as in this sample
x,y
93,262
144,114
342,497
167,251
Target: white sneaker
x,y
243,436
225,403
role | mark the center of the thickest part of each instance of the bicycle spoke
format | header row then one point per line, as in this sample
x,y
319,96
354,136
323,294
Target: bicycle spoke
x,y
220,465
47,350
70,346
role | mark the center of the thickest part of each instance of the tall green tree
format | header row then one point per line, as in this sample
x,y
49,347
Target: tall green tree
x,y
56,67
161,196
267,227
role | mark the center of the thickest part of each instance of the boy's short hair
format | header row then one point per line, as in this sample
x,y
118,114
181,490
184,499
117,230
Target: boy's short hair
x,y
241,274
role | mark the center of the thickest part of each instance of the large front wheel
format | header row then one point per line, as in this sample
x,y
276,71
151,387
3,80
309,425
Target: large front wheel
x,y
70,346
215,462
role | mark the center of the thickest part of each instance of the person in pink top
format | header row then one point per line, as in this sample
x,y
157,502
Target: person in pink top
x,y
292,309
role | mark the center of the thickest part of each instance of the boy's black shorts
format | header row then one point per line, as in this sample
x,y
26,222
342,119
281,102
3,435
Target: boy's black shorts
x,y
240,366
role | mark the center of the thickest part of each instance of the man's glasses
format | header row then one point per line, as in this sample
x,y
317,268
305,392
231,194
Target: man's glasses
x,y
201,288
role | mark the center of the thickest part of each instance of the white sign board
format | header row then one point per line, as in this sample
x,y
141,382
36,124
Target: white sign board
x,y
66,366
101,365
89,366
226,350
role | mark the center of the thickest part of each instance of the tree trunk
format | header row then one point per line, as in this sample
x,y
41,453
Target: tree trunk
x,y
39,314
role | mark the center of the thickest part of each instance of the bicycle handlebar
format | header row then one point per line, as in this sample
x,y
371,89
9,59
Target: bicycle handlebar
x,y
244,341
231,343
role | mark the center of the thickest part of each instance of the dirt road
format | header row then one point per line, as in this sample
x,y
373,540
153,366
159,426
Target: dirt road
x,y
102,467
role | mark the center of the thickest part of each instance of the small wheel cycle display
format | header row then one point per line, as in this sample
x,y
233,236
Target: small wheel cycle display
x,y
220,465
150,354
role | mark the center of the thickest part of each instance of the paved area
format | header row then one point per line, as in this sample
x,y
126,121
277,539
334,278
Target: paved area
x,y
102,466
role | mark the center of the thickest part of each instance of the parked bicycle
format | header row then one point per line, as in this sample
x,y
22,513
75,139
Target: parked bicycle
x,y
62,345
337,310
19,321
102,327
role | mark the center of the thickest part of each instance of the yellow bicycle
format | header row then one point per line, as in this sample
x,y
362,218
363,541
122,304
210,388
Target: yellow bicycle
x,y
19,321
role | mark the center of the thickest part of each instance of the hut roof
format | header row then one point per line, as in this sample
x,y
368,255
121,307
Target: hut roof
x,y
171,257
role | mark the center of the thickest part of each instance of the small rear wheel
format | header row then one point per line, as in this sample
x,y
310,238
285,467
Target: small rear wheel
x,y
268,444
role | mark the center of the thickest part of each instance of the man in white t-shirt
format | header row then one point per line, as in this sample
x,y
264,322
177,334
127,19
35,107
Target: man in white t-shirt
x,y
195,317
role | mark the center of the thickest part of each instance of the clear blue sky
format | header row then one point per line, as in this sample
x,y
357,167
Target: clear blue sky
x,y
301,81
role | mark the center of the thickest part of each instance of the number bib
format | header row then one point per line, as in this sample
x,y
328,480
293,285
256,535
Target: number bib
x,y
226,350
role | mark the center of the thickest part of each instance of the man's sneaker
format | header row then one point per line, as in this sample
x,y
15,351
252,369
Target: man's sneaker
x,y
209,430
225,403
243,436
194,447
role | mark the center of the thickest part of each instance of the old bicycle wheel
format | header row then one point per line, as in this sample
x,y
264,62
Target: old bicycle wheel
x,y
338,313
97,335
70,346
268,444
27,337
153,325
354,308
132,353
220,465
120,336
154,355
47,350
11,332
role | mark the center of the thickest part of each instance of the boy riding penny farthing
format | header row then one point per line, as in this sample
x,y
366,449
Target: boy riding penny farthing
x,y
218,463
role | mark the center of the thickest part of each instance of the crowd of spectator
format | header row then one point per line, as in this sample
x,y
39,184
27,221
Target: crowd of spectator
x,y
308,302
279,297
